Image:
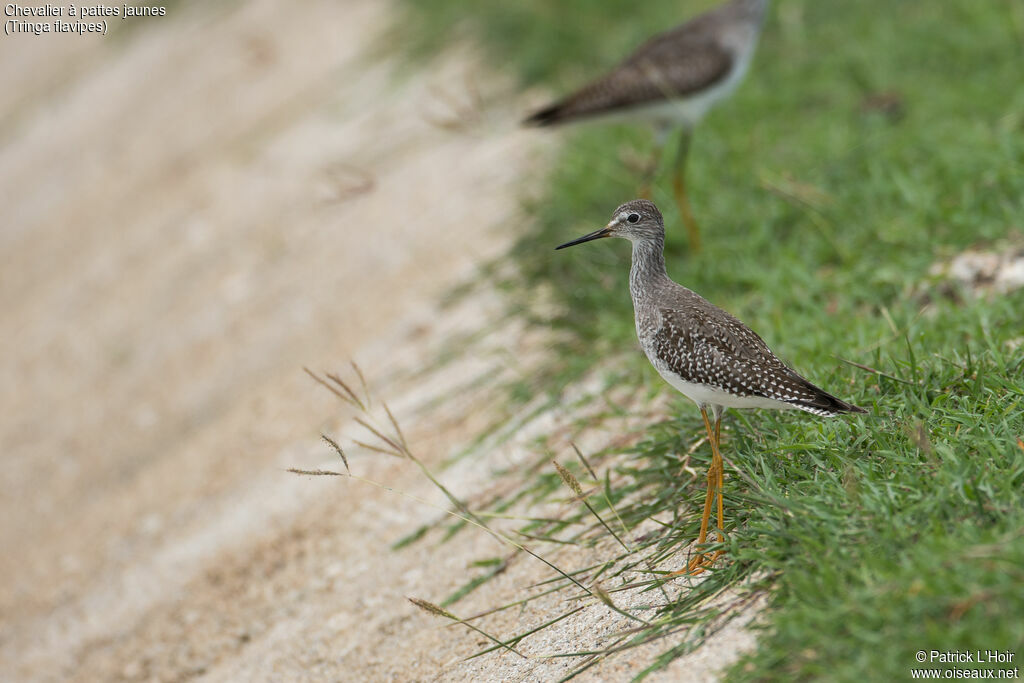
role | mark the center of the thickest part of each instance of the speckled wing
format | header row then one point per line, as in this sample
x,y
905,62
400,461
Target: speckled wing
x,y
671,65
719,351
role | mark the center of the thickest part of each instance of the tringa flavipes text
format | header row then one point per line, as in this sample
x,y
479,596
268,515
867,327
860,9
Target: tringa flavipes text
x,y
672,80
711,357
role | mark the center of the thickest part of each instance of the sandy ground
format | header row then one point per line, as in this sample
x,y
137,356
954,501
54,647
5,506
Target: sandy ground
x,y
194,209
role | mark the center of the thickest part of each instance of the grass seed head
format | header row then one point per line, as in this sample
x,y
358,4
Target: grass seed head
x,y
569,479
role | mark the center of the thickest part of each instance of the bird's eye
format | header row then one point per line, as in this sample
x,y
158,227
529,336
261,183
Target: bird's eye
x,y
633,218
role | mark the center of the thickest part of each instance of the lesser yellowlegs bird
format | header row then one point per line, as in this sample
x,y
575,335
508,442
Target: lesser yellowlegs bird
x,y
711,357
671,81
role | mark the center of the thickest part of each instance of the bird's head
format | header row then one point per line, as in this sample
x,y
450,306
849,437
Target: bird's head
x,y
637,221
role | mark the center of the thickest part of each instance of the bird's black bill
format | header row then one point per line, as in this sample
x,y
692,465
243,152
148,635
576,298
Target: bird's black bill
x,y
596,235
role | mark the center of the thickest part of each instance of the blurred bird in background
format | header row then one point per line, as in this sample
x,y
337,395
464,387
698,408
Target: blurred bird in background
x,y
671,81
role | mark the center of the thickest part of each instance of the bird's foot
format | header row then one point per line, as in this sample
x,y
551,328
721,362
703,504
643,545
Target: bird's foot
x,y
701,562
698,564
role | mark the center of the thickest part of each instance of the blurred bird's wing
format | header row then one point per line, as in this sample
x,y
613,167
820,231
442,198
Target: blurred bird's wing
x,y
674,64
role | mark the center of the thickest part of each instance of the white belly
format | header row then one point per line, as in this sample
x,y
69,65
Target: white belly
x,y
687,111
704,395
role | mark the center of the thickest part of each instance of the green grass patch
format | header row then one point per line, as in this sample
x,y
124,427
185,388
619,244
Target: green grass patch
x,y
870,140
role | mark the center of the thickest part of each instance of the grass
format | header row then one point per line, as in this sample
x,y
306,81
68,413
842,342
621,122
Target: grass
x,y
870,140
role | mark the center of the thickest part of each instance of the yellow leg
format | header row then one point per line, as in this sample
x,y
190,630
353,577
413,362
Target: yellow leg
x,y
715,478
717,455
716,482
679,188
717,451
694,567
706,517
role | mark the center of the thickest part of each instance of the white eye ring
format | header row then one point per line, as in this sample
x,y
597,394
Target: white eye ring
x,y
633,218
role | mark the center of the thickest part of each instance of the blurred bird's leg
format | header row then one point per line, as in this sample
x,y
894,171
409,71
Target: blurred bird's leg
x,y
679,188
651,167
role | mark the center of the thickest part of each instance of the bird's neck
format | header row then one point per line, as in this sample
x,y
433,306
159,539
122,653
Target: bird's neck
x,y
752,8
648,266
756,6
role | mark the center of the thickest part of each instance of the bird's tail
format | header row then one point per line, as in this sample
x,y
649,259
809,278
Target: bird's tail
x,y
826,404
548,116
